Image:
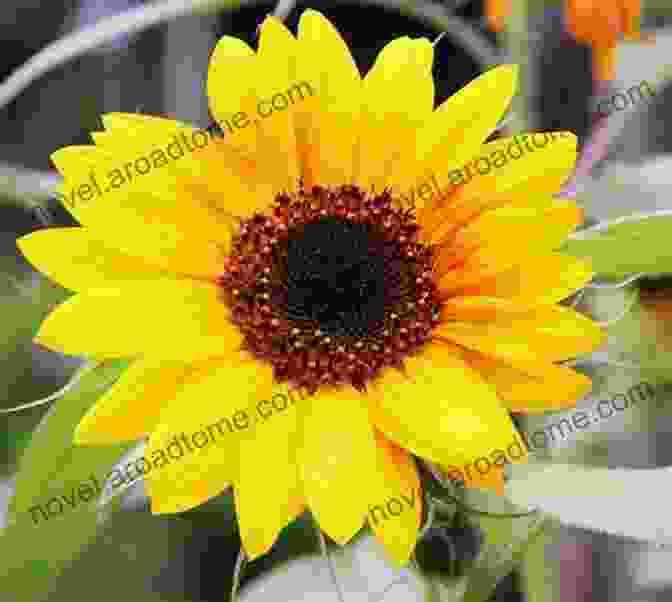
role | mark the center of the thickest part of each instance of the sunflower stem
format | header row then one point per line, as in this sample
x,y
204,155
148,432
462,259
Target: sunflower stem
x,y
431,516
597,144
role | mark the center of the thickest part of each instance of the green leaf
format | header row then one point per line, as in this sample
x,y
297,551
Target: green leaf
x,y
506,540
51,449
148,550
15,441
441,590
25,300
507,531
44,529
540,574
629,245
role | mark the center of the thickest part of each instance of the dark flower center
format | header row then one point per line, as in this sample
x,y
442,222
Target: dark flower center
x,y
331,287
336,276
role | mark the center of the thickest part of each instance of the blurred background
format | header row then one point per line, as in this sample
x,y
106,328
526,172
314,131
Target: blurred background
x,y
161,71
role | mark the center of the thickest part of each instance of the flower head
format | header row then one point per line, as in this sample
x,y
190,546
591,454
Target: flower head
x,y
596,22
496,12
353,244
602,25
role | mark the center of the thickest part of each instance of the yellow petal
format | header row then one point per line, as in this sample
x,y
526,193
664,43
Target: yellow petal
x,y
482,473
396,519
207,419
501,170
130,409
77,261
547,226
402,434
338,478
548,388
549,333
475,309
161,236
457,129
398,97
221,176
135,169
269,91
268,492
440,408
169,319
232,79
280,95
541,279
157,158
534,167
494,242
453,217
327,122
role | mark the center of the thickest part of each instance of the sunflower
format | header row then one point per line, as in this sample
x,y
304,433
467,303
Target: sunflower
x,y
334,249
593,22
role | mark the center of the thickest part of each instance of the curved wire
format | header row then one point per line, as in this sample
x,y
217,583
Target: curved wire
x,y
284,8
31,188
241,564
469,37
389,586
599,358
60,393
616,284
137,19
404,575
438,38
330,563
106,30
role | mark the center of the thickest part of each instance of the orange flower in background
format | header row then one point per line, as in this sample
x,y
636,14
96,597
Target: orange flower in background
x,y
496,11
599,23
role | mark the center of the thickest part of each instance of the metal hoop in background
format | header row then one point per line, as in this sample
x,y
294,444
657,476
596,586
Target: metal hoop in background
x,y
484,53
